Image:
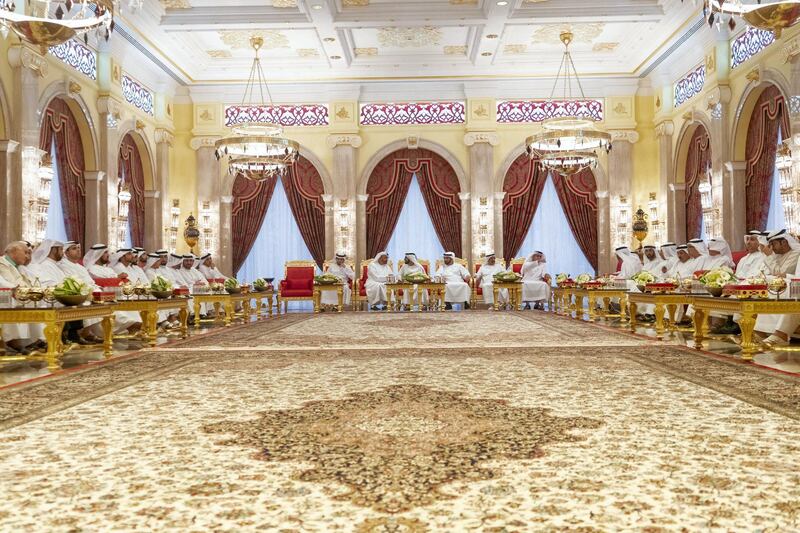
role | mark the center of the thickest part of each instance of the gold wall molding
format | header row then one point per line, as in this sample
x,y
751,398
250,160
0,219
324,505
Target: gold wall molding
x,y
22,56
164,136
631,136
204,141
665,129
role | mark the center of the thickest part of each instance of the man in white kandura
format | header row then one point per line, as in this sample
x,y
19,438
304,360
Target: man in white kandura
x,y
208,269
44,263
535,281
484,278
782,258
18,338
456,278
341,270
378,274
669,254
698,252
97,262
652,262
752,265
412,266
719,254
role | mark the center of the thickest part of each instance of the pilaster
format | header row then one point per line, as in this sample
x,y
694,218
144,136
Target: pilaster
x,y
340,232
361,225
498,224
11,217
96,226
733,178
481,147
225,262
666,173
153,234
605,258
676,212
209,190
329,226
466,226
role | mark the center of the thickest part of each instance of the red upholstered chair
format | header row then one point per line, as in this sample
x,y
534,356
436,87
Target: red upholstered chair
x,y
360,291
477,291
297,283
516,264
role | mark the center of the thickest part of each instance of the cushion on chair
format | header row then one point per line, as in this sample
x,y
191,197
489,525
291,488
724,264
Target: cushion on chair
x,y
300,284
737,256
479,291
300,273
517,267
296,293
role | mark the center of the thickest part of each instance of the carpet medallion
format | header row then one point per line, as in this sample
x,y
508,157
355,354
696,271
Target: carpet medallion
x,y
570,428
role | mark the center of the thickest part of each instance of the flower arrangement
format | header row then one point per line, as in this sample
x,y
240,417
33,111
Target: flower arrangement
x,y
161,284
643,278
583,278
561,278
718,278
71,287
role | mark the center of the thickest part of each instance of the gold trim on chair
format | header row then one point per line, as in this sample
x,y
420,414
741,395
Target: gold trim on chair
x,y
357,299
462,262
286,299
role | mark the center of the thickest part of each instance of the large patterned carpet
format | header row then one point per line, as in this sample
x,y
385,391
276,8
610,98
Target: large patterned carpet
x,y
368,422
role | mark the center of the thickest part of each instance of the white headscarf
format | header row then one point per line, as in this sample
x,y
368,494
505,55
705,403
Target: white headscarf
x,y
116,256
784,234
377,257
174,260
762,239
669,249
720,245
91,257
152,259
631,264
413,258
43,250
698,245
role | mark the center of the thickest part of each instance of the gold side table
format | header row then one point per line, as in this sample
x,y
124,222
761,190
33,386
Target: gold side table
x,y
320,288
603,295
435,294
514,289
219,301
666,305
259,297
148,310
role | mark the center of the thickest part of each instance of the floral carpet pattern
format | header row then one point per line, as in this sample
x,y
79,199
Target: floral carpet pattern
x,y
603,432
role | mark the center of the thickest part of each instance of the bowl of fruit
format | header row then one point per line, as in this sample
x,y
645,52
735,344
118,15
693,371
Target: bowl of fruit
x,y
161,288
232,286
71,292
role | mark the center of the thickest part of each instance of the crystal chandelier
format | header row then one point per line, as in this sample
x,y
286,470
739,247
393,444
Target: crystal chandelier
x,y
770,15
256,148
567,145
46,23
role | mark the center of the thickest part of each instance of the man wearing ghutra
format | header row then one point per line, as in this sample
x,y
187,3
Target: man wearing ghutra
x,y
485,279
378,274
719,254
652,263
456,278
97,262
535,281
669,255
18,338
752,265
412,266
341,270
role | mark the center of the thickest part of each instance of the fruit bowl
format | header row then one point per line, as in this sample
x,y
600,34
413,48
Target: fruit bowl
x,y
233,290
162,295
71,300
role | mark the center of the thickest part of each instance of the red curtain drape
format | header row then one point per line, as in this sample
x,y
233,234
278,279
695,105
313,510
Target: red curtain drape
x,y
523,185
577,194
60,126
698,159
250,202
131,173
304,190
769,117
388,187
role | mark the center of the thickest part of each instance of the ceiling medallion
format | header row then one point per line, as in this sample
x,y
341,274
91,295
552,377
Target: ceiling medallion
x,y
257,149
774,16
46,23
569,144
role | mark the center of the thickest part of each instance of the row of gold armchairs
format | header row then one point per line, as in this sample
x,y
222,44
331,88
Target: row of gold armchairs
x,y
298,280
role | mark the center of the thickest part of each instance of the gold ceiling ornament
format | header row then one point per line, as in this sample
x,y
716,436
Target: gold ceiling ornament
x,y
175,4
583,33
407,37
770,15
284,3
455,50
257,149
567,145
46,23
272,39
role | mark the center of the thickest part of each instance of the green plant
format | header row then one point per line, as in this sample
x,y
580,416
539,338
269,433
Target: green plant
x,y
717,278
232,283
643,278
71,287
160,284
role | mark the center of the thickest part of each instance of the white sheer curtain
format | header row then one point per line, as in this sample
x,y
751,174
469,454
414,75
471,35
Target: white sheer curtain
x,y
414,231
776,218
279,240
551,234
128,243
56,229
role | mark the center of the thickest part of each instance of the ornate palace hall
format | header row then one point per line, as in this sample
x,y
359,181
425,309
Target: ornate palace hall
x,y
374,422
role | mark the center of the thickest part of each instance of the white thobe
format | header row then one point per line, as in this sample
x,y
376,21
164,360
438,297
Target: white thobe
x,y
778,264
718,261
195,279
405,270
456,290
485,278
534,288
375,286
211,272
344,273
654,267
26,333
751,265
47,272
122,319
79,272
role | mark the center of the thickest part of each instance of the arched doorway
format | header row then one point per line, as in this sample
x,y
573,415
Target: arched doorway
x,y
60,139
695,153
388,190
130,192
277,220
552,213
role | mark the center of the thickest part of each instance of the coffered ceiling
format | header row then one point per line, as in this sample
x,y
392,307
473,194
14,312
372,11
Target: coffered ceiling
x,y
205,42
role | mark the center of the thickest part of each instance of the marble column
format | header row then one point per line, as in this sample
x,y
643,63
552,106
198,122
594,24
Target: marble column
x,y
606,261
733,185
791,55
344,148
153,233
225,263
361,228
11,217
498,224
329,226
209,189
722,189
96,226
676,212
620,163
481,179
164,140
110,111
666,174
466,226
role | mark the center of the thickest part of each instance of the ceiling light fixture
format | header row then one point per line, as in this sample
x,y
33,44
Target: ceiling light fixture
x,y
567,145
46,23
257,149
770,15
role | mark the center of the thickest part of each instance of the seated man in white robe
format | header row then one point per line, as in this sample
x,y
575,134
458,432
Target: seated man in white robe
x,y
782,258
753,264
341,270
484,278
535,281
456,278
698,252
652,262
71,265
139,263
719,254
208,269
378,274
18,338
669,256
98,262
195,280
412,266
153,268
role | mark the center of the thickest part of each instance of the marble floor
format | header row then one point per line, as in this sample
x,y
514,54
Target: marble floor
x,y
405,423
